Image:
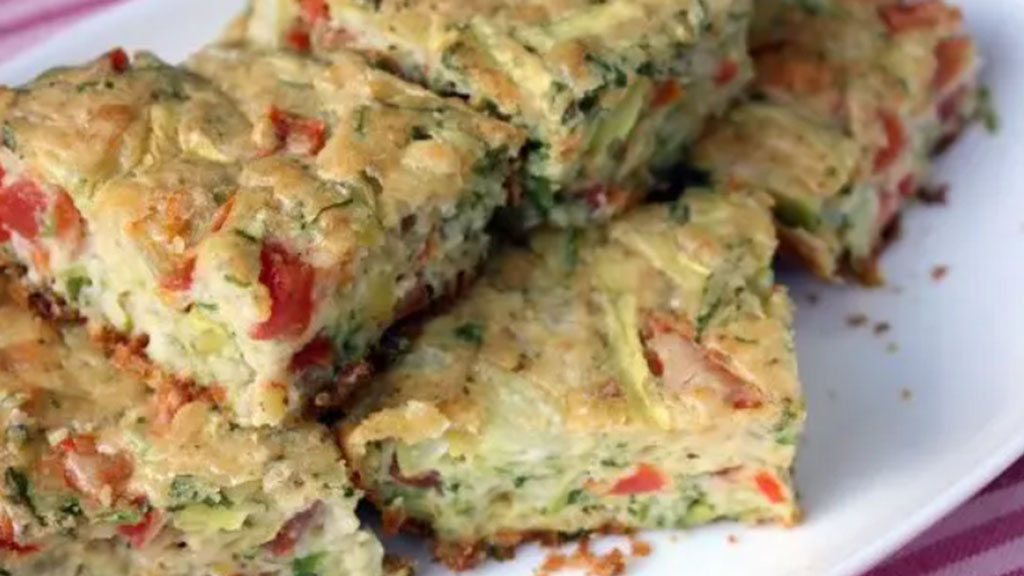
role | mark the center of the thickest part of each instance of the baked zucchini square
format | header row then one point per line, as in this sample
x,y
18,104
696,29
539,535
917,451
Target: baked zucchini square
x,y
259,242
636,376
855,99
611,93
101,475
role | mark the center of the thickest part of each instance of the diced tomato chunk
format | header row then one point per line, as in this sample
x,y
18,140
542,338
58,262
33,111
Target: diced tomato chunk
x,y
745,398
8,539
298,38
222,213
727,72
770,487
298,134
316,10
144,530
644,479
67,219
290,282
952,57
180,278
429,479
796,74
169,398
119,60
317,353
294,529
895,141
928,14
89,471
21,205
907,186
951,106
666,93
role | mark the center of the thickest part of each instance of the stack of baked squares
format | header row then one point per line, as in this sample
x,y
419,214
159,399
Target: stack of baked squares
x,y
503,268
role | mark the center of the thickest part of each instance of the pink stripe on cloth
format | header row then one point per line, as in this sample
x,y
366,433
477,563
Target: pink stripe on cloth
x,y
983,508
956,548
998,560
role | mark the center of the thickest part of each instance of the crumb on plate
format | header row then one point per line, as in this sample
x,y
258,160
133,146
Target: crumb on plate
x,y
856,320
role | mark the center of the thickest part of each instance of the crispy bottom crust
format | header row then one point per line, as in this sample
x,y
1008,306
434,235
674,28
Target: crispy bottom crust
x,y
466,555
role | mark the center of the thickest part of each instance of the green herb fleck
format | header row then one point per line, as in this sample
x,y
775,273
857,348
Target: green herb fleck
x,y
308,565
360,120
575,495
10,141
986,112
420,133
540,194
705,317
680,212
129,516
519,481
246,235
325,209
572,249
470,332
236,281
207,307
19,490
187,489
70,507
786,430
75,284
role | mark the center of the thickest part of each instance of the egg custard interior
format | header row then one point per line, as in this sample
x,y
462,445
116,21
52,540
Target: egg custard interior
x,y
100,478
636,376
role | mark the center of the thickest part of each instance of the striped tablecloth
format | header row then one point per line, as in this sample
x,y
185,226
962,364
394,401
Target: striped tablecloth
x,y
985,537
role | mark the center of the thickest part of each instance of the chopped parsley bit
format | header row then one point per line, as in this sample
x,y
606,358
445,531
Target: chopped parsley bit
x,y
70,507
75,284
680,212
812,6
420,133
519,481
574,496
18,490
785,429
234,280
572,248
360,118
245,235
470,332
206,306
307,565
350,492
540,193
986,112
128,516
705,317
333,206
10,142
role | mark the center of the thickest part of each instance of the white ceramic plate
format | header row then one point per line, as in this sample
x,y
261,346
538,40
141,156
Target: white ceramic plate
x,y
896,439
